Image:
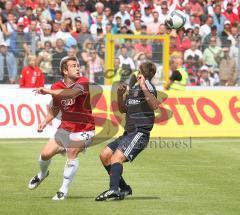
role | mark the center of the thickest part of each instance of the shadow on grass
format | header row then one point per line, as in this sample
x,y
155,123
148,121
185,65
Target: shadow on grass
x,y
143,198
71,197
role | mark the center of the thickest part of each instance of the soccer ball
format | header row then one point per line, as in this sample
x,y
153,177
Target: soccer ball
x,y
175,19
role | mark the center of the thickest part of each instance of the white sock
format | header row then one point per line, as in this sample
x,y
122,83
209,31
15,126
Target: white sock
x,y
43,167
70,170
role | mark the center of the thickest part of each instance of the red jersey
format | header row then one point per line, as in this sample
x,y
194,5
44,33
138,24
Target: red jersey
x,y
76,112
31,77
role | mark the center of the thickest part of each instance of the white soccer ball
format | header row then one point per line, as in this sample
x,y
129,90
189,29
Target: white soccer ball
x,y
175,19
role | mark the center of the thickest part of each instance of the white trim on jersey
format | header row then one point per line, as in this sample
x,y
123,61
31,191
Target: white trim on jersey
x,y
149,86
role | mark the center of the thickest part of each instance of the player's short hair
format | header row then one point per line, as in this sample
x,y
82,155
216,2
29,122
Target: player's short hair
x,y
148,69
63,63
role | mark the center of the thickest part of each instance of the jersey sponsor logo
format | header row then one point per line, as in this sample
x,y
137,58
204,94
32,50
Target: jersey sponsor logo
x,y
133,101
67,102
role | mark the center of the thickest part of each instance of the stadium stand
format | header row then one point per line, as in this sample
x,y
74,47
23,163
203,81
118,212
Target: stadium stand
x,y
51,29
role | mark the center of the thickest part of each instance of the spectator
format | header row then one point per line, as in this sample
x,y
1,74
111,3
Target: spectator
x,y
126,62
196,10
11,27
19,45
71,12
57,55
8,65
212,54
123,14
65,34
97,24
77,28
44,60
9,8
226,35
20,8
83,14
213,33
83,36
227,69
230,15
153,27
49,13
179,77
164,12
99,12
61,6
96,68
205,79
3,30
191,70
88,45
196,36
145,47
113,4
147,16
182,41
31,75
137,27
128,43
46,35
196,54
59,17
26,19
206,28
218,19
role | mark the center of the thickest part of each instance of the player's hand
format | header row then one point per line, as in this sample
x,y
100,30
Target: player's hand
x,y
42,91
41,126
122,89
141,81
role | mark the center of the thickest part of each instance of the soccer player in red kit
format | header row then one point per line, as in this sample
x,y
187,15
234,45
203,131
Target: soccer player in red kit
x,y
71,97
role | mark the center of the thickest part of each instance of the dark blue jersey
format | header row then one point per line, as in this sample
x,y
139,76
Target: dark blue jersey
x,y
139,116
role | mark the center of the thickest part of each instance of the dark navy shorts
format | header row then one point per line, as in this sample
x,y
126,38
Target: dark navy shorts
x,y
131,144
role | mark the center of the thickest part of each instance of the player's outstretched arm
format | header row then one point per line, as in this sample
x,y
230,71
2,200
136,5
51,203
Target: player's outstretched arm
x,y
51,114
120,98
150,98
65,93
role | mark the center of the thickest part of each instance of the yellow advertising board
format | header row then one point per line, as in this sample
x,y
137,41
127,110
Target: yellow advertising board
x,y
181,114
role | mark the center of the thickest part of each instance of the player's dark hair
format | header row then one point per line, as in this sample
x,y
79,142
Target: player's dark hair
x,y
63,63
148,69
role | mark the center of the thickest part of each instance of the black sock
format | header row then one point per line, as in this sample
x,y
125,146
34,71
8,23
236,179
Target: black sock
x,y
122,183
115,175
108,168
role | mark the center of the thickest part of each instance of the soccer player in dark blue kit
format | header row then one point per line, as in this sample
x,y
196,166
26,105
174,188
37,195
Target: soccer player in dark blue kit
x,y
138,105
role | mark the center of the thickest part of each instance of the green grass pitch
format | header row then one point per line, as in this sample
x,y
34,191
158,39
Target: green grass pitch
x,y
201,180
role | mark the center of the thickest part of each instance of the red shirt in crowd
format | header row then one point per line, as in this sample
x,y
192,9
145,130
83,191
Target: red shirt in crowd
x,y
31,77
232,17
76,112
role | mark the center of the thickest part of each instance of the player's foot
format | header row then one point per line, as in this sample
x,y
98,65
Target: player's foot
x,y
35,181
126,191
59,196
108,194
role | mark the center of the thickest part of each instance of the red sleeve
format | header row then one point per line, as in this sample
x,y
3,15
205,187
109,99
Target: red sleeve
x,y
22,79
40,81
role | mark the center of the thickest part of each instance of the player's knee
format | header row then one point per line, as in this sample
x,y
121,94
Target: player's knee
x,y
118,157
73,153
45,156
105,156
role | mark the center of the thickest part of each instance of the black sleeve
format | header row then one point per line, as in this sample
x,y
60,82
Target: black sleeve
x,y
176,76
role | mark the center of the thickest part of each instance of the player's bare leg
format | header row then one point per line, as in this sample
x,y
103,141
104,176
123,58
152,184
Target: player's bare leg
x,y
70,169
49,150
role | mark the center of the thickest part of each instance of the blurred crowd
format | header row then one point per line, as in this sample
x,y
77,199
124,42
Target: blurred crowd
x,y
36,34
